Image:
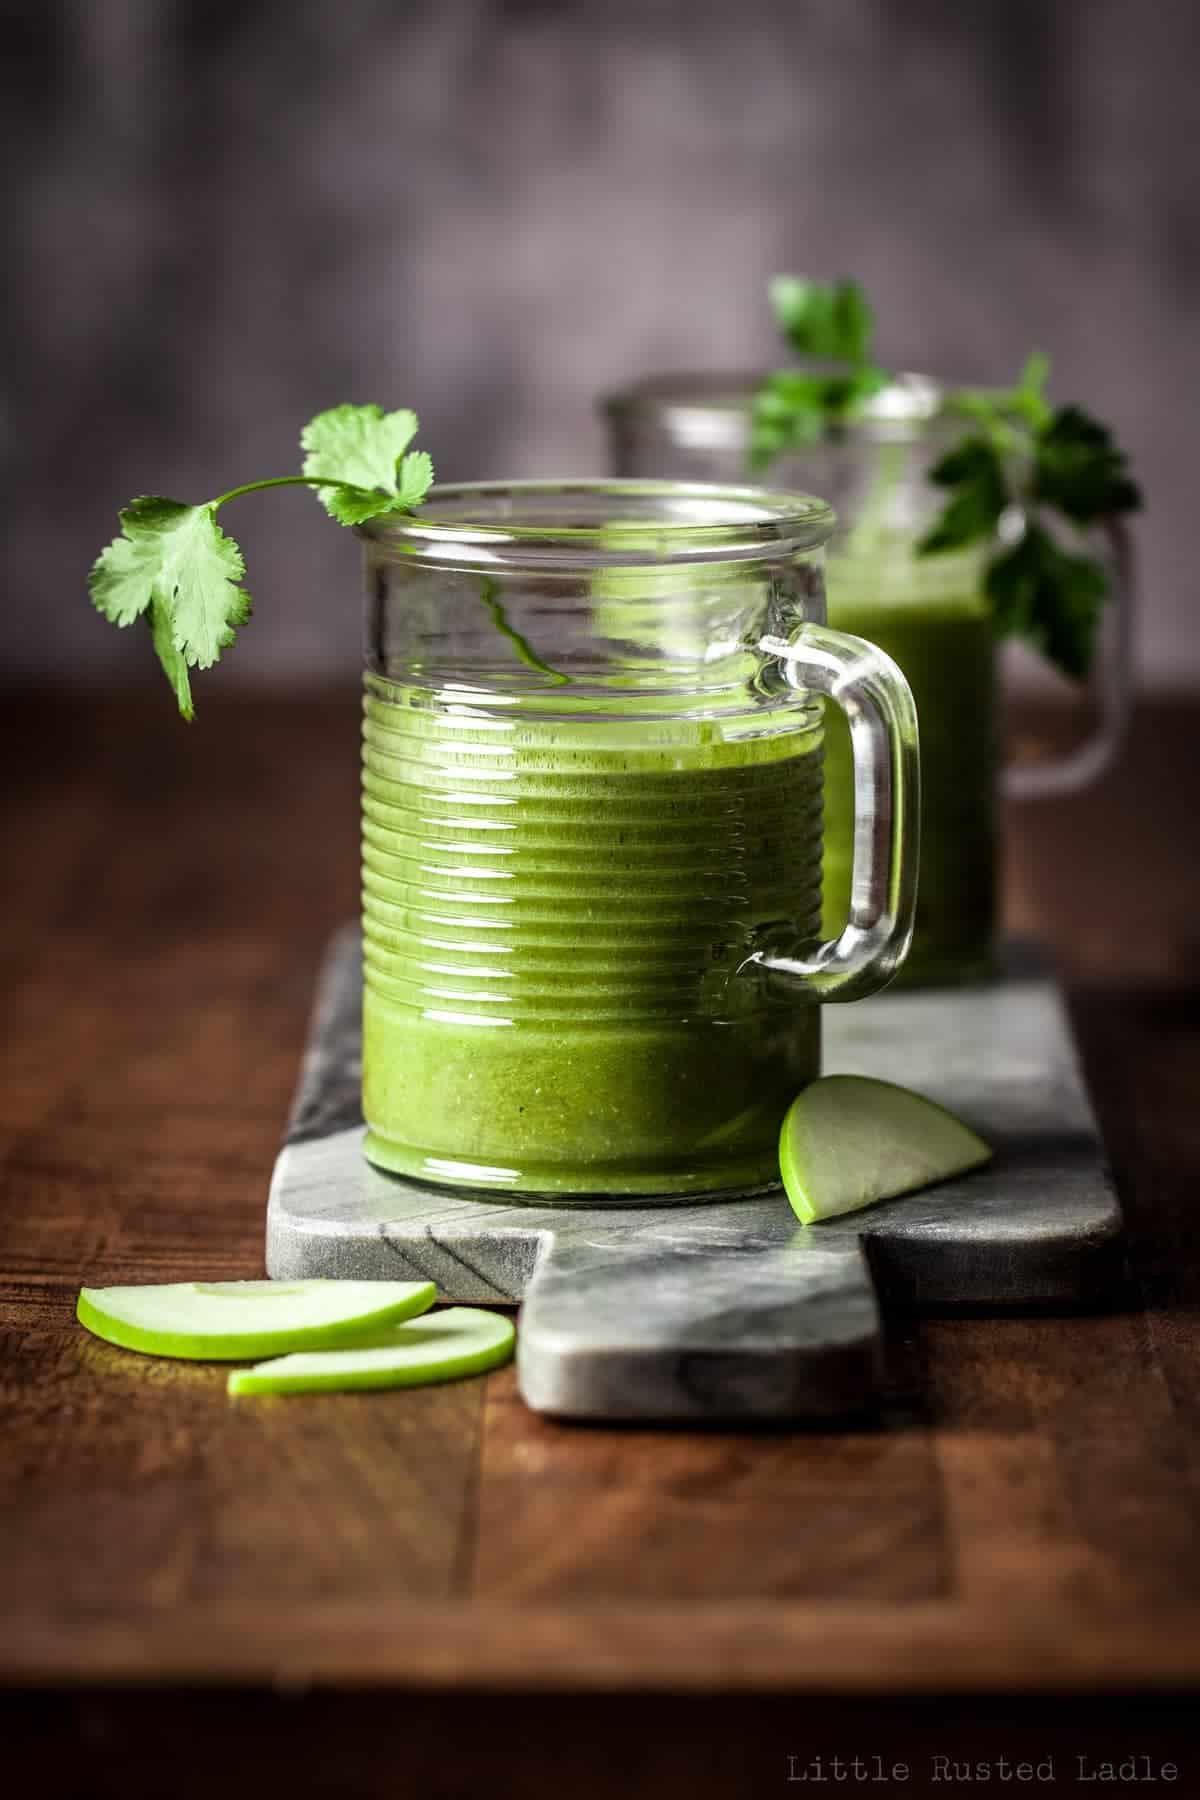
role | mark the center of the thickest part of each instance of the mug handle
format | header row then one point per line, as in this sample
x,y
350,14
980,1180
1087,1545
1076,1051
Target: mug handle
x,y
1064,774
878,704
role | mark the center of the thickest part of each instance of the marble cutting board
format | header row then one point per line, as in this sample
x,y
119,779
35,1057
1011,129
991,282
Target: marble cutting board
x,y
732,1309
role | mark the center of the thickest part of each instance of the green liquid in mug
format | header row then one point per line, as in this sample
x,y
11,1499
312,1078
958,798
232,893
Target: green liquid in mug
x,y
554,914
931,618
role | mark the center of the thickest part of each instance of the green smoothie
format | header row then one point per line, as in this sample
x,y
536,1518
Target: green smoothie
x,y
554,915
930,615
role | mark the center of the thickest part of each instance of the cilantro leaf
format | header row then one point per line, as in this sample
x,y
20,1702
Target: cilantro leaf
x,y
123,587
177,558
1049,597
202,571
823,319
414,478
362,448
353,506
1078,468
976,474
174,667
123,575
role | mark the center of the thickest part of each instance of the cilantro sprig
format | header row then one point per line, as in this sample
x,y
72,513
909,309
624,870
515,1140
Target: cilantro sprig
x,y
1048,473
173,565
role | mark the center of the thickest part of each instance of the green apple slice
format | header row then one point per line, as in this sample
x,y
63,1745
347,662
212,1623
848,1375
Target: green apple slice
x,y
848,1141
462,1340
226,1321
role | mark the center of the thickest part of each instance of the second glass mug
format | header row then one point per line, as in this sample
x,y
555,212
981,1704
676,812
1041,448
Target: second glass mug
x,y
592,835
929,613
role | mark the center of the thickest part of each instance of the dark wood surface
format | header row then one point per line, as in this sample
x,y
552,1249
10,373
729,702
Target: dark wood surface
x,y
1022,1521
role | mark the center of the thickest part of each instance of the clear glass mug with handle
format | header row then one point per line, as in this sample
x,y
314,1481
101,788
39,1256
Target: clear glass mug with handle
x,y
592,835
929,613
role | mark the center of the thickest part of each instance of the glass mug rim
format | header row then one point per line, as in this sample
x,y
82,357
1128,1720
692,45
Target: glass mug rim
x,y
710,410
676,521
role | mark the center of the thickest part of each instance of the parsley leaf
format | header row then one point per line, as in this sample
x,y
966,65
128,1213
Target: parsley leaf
x,y
786,413
1049,597
1029,395
1004,412
831,320
1078,468
1024,456
793,407
1019,459
173,565
362,449
976,473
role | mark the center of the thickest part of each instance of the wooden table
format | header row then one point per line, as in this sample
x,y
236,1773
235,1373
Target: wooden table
x,y
346,1594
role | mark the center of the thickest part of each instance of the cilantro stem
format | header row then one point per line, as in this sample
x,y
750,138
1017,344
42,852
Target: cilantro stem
x,y
254,487
525,651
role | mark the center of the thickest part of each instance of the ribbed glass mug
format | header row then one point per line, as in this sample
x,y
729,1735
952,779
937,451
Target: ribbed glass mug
x,y
592,835
929,613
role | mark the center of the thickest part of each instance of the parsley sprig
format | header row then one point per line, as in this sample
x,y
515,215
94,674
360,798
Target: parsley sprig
x,y
832,325
1046,472
174,566
1038,466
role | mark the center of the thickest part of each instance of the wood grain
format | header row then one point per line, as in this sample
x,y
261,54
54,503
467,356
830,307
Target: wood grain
x,y
1023,1516
157,973
773,1516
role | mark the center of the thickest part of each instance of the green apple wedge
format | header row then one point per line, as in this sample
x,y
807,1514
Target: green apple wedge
x,y
848,1141
230,1321
444,1346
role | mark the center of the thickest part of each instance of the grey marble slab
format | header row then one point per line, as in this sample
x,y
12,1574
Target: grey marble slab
x,y
731,1309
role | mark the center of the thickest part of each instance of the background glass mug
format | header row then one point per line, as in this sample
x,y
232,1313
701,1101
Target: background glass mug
x,y
929,613
592,834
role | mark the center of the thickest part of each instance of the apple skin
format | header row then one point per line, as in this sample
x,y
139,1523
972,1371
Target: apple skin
x,y
444,1346
233,1321
849,1141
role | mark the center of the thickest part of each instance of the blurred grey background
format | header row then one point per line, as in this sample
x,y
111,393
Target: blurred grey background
x,y
225,216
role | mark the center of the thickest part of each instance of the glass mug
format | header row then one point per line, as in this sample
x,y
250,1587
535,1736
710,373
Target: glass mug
x,y
592,834
929,613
